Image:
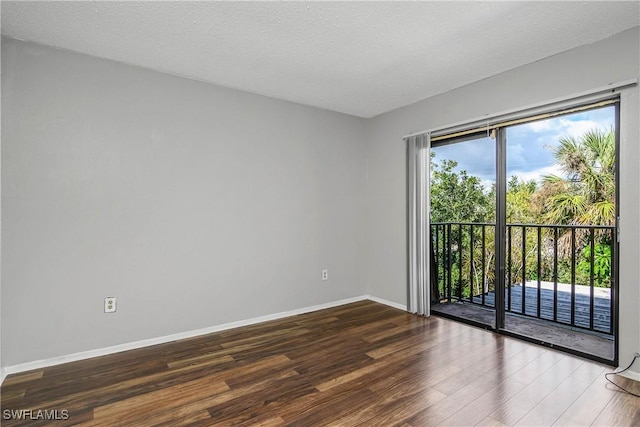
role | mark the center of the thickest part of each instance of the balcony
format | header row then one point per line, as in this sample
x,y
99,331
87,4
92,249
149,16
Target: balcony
x,y
558,280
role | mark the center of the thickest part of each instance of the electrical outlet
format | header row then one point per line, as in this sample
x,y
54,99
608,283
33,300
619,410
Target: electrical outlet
x,y
110,305
325,274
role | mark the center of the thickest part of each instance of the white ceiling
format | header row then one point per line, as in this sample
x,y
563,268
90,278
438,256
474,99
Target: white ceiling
x,y
360,58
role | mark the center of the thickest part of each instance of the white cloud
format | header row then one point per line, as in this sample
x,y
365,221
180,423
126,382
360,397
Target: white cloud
x,y
538,174
562,126
487,184
577,128
540,126
529,147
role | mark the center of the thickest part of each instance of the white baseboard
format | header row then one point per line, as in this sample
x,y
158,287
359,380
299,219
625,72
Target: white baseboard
x,y
631,375
399,306
3,375
39,364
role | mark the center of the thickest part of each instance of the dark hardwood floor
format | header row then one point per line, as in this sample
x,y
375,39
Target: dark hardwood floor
x,y
358,364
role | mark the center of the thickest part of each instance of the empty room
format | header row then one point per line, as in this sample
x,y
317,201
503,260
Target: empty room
x,y
320,213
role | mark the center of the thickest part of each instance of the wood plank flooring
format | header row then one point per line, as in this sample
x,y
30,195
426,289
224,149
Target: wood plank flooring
x,y
361,364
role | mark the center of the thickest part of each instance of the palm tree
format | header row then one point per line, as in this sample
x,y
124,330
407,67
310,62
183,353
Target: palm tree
x,y
587,195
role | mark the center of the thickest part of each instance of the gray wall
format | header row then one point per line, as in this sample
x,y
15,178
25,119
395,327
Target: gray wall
x,y
193,204
578,70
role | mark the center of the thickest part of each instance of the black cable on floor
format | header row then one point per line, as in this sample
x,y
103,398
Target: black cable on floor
x,y
616,373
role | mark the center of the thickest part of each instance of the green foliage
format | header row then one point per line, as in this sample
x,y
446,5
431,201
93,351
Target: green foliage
x,y
519,200
458,196
601,264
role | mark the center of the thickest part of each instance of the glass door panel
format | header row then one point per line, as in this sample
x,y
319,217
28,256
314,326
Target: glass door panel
x,y
463,213
560,231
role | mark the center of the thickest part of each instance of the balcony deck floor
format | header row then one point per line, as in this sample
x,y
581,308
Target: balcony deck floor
x,y
539,330
601,306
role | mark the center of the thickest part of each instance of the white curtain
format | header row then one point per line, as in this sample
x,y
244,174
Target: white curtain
x,y
418,217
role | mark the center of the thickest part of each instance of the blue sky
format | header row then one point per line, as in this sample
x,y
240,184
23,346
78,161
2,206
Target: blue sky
x,y
529,146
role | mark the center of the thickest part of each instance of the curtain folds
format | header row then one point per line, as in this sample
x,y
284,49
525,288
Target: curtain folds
x,y
418,224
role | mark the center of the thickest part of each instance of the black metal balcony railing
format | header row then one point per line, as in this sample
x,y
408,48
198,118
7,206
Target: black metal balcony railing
x,y
560,273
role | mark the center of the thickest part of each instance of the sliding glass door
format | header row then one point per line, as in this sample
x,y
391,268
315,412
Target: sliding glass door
x,y
523,226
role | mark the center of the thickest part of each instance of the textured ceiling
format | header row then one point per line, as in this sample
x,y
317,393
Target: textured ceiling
x,y
360,58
